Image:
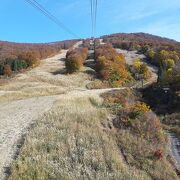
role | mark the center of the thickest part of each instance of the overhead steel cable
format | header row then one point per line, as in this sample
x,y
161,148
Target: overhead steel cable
x,y
92,23
95,17
93,4
50,16
40,8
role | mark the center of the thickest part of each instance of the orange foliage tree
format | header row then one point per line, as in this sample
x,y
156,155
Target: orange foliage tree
x,y
29,57
111,66
75,59
7,70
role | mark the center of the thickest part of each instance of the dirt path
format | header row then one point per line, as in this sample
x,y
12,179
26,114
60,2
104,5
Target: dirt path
x,y
16,117
132,55
175,149
29,95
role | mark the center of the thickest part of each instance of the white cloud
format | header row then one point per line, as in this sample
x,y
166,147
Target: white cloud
x,y
159,17
163,28
122,15
137,10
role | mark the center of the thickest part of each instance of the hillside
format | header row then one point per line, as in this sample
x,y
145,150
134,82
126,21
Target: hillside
x,y
164,55
10,50
76,116
17,57
131,40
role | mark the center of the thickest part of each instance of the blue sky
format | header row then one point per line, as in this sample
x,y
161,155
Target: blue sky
x,y
22,23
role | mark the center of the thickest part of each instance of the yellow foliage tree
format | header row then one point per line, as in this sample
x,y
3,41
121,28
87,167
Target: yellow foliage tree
x,y
151,54
137,64
141,107
169,63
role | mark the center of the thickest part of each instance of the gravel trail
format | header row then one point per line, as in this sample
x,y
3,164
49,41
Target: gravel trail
x,y
38,90
132,55
175,149
27,97
15,118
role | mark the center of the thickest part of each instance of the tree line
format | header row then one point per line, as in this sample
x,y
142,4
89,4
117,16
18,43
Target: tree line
x,y
162,52
15,57
23,61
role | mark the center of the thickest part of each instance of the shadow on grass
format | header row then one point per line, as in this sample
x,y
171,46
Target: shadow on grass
x,y
60,71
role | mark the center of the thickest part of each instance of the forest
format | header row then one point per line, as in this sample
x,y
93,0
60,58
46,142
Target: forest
x,y
15,57
163,96
161,52
134,41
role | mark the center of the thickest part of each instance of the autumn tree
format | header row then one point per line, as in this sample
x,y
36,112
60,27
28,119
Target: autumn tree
x,y
29,57
137,64
7,70
163,54
1,69
140,69
15,66
151,55
169,63
73,63
75,59
110,66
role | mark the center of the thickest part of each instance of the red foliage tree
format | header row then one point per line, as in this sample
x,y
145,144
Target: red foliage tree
x,y
158,154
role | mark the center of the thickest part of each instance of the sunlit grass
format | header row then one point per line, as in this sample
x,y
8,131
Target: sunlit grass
x,y
70,143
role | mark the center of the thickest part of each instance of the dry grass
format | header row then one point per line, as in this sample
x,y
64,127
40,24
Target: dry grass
x,y
139,154
69,142
44,80
76,139
137,147
38,92
172,122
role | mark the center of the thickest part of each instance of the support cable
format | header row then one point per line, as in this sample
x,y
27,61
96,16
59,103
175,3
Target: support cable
x,y
49,15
